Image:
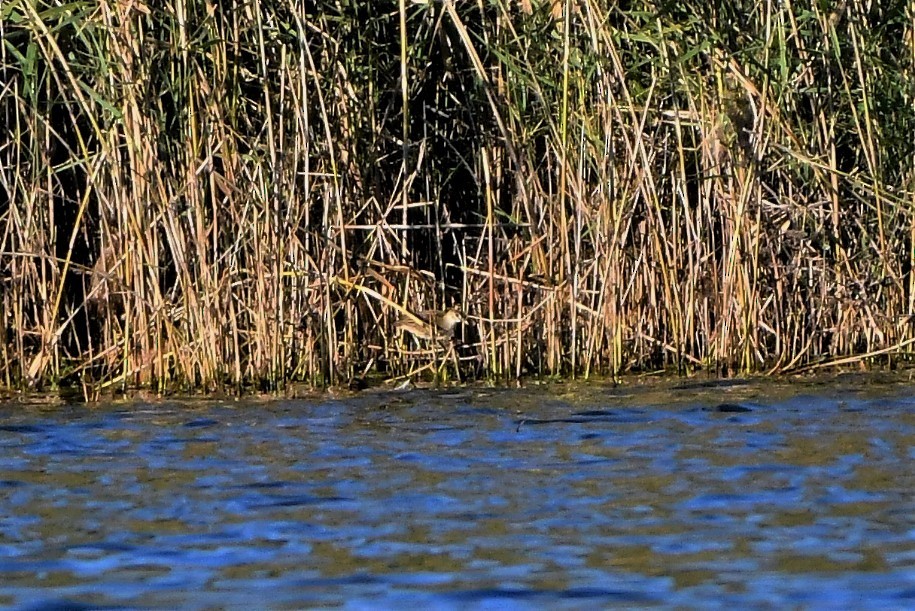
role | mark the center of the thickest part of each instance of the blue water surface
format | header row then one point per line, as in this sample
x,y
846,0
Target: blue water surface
x,y
675,494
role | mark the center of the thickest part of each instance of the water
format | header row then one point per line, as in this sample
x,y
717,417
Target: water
x,y
678,494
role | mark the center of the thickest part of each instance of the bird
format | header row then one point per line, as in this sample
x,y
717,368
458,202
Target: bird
x,y
431,323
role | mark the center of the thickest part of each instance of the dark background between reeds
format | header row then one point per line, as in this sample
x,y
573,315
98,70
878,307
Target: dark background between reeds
x,y
197,194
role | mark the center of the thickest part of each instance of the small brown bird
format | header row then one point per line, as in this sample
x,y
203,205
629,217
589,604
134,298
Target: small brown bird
x,y
431,323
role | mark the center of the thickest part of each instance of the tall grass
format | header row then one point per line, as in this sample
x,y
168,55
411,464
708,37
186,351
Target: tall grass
x,y
208,194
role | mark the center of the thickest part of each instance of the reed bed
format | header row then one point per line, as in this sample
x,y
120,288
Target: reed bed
x,y
210,195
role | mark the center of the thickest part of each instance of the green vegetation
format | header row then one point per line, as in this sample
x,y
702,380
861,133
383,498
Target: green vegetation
x,y
201,194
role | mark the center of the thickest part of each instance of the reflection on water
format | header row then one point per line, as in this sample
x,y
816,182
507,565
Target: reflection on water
x,y
756,494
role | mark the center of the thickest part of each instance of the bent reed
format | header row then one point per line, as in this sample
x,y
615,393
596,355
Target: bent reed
x,y
226,195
